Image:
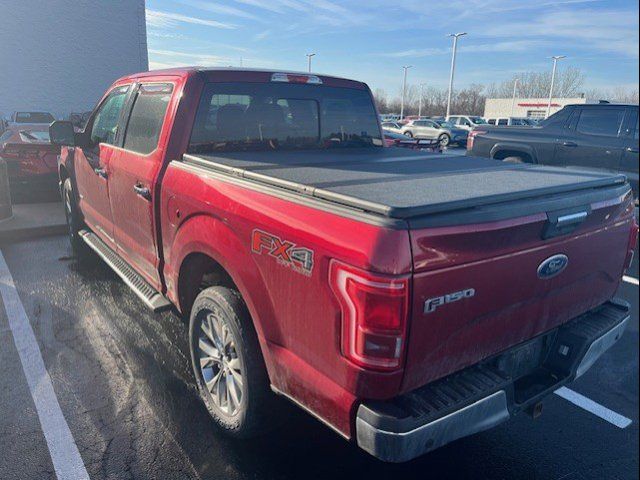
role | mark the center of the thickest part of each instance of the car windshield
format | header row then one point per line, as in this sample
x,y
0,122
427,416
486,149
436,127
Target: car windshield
x,y
32,135
34,117
478,120
283,116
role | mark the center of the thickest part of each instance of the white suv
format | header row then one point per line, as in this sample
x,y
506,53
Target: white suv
x,y
466,122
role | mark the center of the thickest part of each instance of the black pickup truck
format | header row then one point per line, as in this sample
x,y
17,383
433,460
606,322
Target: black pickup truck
x,y
602,137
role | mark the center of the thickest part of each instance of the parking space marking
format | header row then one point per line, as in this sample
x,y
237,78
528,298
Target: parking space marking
x,y
628,279
595,408
63,450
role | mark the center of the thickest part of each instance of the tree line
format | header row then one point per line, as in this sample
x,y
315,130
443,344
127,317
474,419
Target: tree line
x,y
470,101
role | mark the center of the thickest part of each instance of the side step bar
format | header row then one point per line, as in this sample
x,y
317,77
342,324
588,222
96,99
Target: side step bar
x,y
149,295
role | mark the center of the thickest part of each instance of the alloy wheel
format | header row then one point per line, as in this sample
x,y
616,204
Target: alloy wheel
x,y
220,365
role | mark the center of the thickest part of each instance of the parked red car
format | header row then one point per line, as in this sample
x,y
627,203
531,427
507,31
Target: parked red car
x,y
404,299
32,161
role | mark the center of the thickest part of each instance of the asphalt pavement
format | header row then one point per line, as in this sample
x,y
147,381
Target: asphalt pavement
x,y
122,380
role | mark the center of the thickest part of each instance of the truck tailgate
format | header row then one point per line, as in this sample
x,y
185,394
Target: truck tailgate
x,y
506,300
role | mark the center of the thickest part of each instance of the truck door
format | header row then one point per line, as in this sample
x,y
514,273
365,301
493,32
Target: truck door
x,y
629,162
132,176
92,163
593,139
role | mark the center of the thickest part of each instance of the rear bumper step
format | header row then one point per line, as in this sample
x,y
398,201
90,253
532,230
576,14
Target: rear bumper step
x,y
150,296
487,394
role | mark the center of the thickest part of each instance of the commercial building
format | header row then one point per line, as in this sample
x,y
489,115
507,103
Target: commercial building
x,y
59,56
526,107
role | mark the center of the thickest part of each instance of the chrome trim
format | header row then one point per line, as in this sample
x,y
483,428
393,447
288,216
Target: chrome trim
x,y
482,415
571,218
601,345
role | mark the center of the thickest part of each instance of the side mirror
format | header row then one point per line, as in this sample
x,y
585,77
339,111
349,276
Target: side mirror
x,y
62,133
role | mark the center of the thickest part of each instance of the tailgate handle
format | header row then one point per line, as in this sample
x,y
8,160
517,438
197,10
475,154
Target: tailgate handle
x,y
571,218
563,223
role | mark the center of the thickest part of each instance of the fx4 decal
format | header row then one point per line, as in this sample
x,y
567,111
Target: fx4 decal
x,y
286,253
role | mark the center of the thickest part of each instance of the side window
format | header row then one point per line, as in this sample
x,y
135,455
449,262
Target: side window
x,y
604,122
105,123
503,121
491,121
147,117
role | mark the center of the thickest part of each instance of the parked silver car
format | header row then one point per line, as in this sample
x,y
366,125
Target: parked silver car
x,y
466,122
443,131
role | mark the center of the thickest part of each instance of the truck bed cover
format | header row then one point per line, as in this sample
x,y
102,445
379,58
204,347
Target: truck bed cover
x,y
399,183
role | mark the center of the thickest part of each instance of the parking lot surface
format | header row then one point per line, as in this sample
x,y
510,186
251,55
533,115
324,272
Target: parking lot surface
x,y
122,379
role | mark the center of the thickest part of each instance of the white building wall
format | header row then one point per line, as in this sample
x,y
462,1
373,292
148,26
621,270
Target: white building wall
x,y
526,107
61,55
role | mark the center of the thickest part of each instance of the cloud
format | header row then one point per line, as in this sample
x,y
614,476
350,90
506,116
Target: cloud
x,y
160,19
222,9
262,35
506,47
610,31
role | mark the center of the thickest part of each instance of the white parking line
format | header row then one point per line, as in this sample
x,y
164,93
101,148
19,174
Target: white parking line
x,y
594,407
62,447
631,280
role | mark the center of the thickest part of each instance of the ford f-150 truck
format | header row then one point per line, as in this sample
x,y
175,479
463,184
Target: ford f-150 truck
x,y
404,299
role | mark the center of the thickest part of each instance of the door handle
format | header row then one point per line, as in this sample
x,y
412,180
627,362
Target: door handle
x,y
142,191
569,144
101,172
632,149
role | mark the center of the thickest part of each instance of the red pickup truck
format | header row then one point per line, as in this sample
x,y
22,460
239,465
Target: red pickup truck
x,y
404,299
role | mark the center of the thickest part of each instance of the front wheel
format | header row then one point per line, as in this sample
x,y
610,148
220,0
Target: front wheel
x,y
408,134
227,363
444,140
74,220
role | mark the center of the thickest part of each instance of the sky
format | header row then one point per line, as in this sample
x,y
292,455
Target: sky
x,y
371,40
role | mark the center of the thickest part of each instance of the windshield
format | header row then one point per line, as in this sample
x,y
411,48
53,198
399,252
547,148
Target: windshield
x,y
276,116
32,135
478,120
34,117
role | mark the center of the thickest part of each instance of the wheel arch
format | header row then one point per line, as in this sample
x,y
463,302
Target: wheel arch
x,y
500,151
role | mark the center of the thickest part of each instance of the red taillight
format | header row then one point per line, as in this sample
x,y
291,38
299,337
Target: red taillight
x,y
296,78
471,137
374,315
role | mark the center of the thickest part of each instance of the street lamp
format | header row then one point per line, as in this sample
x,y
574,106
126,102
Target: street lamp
x,y
553,80
420,101
453,68
309,55
404,89
515,89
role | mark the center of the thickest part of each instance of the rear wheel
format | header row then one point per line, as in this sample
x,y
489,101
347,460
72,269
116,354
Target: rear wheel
x,y
513,160
227,363
408,134
444,140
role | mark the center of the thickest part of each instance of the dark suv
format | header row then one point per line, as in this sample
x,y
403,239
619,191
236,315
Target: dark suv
x,y
602,136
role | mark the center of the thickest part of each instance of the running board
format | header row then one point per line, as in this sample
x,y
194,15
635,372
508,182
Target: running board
x,y
149,295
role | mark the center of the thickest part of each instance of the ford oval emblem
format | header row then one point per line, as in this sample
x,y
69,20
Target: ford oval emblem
x,y
553,266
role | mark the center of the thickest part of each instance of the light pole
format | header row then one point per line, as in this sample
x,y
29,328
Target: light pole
x,y
553,80
453,69
404,89
309,55
513,101
420,100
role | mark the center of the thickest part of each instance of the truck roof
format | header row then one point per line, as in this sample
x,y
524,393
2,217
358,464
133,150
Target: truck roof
x,y
240,74
402,184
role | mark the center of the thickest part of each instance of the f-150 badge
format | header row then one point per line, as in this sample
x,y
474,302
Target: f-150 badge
x,y
431,304
286,253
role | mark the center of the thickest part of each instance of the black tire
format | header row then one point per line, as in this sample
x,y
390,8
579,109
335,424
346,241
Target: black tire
x,y
408,134
254,414
74,221
444,140
513,159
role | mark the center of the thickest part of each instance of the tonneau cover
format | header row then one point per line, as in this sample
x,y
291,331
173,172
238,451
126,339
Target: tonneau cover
x,y
400,183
